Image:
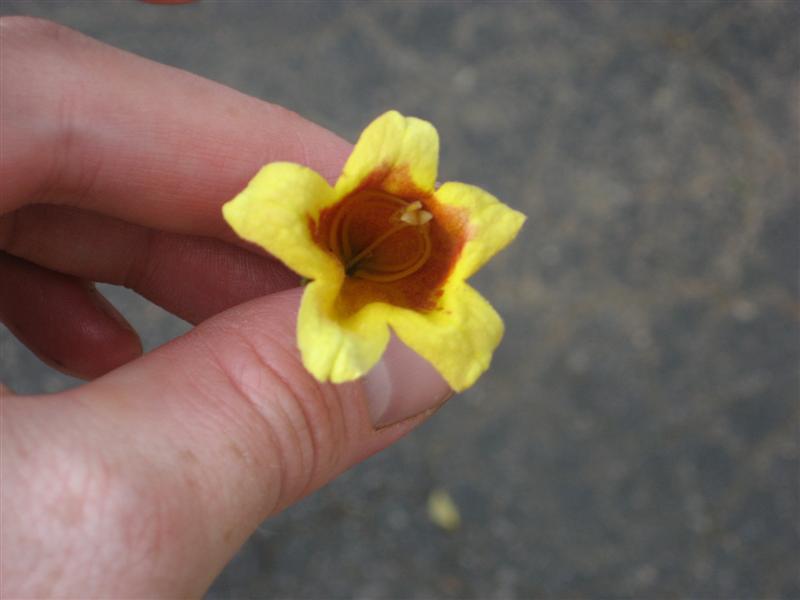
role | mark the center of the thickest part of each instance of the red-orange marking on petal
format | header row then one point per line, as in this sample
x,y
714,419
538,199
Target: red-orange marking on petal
x,y
390,249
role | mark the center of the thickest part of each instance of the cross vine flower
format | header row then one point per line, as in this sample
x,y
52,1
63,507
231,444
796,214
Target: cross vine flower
x,y
384,247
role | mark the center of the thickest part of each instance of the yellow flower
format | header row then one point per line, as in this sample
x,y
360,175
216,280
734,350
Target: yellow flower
x,y
382,248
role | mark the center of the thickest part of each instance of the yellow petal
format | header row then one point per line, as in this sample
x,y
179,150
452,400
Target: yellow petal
x,y
273,211
458,338
492,224
336,349
397,150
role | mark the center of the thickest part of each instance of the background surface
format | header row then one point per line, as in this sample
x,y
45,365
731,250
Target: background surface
x,y
638,434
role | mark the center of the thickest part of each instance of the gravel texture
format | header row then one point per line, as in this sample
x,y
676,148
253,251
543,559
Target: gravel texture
x,y
638,433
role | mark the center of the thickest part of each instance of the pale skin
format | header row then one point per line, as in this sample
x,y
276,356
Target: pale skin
x,y
144,481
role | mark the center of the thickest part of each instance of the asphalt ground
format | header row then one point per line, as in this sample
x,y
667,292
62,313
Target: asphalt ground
x,y
637,435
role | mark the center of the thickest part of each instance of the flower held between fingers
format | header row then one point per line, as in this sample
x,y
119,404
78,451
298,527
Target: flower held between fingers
x,y
382,248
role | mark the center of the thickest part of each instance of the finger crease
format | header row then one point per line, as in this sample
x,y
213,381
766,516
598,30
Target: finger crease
x,y
265,425
309,467
314,442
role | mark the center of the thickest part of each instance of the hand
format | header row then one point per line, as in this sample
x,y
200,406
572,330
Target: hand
x,y
146,480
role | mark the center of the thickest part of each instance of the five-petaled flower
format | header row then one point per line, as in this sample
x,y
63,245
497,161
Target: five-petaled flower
x,y
384,247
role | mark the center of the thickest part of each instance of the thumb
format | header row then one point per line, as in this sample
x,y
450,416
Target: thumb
x,y
227,427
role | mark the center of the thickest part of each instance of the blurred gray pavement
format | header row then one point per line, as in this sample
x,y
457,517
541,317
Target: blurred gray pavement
x,y
637,435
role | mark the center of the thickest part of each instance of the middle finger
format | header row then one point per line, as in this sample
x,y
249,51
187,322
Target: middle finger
x,y
192,277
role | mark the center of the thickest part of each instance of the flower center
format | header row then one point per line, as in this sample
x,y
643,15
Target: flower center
x,y
380,237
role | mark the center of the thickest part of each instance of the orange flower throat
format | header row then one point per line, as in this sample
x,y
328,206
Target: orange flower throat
x,y
392,249
381,237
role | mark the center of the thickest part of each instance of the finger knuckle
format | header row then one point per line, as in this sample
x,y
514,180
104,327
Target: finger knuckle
x,y
39,54
303,417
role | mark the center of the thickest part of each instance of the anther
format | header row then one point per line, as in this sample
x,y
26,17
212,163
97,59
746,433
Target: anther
x,y
414,215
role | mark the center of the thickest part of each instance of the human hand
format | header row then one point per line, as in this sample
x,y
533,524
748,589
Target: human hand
x,y
146,480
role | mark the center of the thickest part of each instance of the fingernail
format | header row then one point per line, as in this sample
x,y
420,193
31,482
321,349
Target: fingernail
x,y
402,385
109,309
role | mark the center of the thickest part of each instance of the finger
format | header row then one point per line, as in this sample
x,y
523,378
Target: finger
x,y
64,320
105,130
224,427
192,277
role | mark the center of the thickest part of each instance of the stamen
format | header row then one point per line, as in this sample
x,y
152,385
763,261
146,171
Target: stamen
x,y
366,251
362,211
400,271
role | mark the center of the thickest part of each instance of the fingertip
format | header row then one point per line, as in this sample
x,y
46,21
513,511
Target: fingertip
x,y
64,321
109,340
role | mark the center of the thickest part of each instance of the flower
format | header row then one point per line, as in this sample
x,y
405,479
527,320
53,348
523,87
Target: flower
x,y
382,248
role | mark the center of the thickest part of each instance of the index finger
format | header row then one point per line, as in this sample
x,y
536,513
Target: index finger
x,y
102,129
